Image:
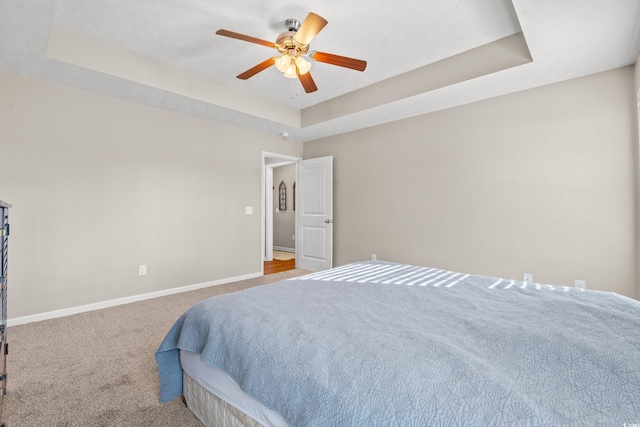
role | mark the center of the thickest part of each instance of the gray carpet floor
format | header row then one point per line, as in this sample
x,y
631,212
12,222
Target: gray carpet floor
x,y
98,368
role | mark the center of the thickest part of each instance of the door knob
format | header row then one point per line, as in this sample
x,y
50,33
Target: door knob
x,y
328,221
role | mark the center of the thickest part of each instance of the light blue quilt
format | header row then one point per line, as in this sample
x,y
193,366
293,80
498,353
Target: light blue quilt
x,y
381,344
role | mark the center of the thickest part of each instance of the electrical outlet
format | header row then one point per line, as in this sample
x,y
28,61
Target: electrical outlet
x,y
527,278
581,284
293,237
248,210
374,257
142,270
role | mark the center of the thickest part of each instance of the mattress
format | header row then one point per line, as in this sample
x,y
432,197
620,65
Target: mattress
x,y
215,382
211,410
376,343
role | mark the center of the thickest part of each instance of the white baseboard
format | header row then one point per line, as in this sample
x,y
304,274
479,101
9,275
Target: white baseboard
x,y
283,249
111,303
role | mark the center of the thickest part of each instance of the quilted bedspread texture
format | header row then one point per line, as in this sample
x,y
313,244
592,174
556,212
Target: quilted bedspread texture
x,y
382,344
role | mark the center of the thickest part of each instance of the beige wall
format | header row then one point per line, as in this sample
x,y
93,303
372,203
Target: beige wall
x,y
541,181
637,116
637,72
100,185
284,222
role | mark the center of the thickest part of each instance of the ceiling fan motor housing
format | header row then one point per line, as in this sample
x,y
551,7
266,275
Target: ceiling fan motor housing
x,y
285,43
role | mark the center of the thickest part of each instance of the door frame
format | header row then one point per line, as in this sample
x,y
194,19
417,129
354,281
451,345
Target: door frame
x,y
270,161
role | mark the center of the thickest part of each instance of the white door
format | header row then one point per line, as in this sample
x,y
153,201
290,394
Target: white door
x,y
314,246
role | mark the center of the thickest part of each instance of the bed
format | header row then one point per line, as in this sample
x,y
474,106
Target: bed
x,y
386,344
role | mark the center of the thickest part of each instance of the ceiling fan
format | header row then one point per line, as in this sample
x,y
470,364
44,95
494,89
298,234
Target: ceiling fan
x,y
293,45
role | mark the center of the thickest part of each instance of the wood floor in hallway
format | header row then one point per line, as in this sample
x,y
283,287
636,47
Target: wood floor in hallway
x,y
278,265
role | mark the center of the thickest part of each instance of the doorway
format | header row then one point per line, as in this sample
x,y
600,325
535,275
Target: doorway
x,y
283,220
313,235
278,224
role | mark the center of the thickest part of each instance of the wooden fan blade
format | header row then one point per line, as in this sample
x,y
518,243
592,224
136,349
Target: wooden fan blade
x,y
307,82
340,61
255,70
309,28
246,38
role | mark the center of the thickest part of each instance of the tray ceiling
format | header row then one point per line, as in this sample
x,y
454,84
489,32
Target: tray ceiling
x,y
422,56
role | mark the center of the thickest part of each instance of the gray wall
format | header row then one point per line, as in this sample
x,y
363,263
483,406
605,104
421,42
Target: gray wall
x,y
541,181
284,222
637,97
637,73
100,185
637,112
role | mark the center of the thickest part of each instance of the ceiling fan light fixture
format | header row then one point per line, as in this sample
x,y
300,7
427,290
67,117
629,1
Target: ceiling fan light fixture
x,y
291,72
303,65
283,63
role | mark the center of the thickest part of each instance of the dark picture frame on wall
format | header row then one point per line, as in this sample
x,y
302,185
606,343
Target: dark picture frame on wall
x,y
282,194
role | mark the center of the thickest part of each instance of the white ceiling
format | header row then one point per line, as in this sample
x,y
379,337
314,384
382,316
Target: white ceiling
x,y
419,53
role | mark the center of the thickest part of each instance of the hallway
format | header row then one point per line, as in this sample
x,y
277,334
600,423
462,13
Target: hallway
x,y
282,261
